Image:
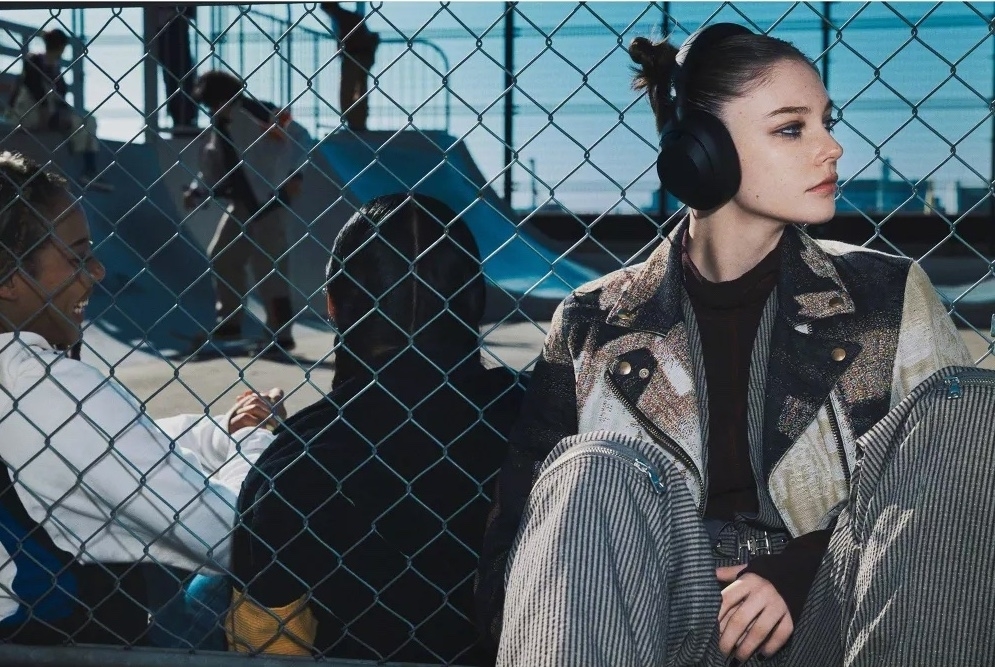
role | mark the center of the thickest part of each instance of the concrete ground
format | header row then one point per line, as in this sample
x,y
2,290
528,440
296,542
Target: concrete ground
x,y
171,387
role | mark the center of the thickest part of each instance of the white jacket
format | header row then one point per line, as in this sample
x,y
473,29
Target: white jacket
x,y
103,479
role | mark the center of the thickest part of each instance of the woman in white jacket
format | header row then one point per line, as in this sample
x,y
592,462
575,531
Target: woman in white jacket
x,y
93,491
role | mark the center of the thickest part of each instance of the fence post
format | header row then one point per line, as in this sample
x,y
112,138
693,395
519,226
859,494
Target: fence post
x,y
150,67
826,22
509,101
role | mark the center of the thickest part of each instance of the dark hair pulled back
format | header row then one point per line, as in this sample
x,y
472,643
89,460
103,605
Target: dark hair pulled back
x,y
28,199
405,271
727,70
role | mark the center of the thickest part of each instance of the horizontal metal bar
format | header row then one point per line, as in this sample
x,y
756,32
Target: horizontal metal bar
x,y
12,655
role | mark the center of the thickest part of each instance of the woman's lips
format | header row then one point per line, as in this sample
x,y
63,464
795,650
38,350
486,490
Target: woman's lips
x,y
828,188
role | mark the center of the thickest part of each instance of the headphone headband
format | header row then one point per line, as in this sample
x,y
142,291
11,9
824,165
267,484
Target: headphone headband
x,y
698,42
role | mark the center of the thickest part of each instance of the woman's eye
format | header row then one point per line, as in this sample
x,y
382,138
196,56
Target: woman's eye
x,y
794,130
830,123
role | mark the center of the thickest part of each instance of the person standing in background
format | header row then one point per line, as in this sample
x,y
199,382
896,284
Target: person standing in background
x,y
171,48
39,103
359,46
252,165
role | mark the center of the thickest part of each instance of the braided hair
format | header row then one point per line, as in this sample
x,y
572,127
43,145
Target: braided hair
x,y
28,195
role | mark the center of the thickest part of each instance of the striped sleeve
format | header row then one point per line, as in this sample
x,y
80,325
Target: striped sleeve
x,y
606,571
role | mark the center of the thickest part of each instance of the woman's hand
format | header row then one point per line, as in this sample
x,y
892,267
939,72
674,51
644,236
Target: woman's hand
x,y
253,409
753,615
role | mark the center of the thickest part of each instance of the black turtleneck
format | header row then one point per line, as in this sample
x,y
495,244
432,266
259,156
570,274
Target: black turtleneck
x,y
728,316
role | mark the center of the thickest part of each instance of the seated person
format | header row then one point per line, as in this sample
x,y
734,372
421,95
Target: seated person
x,y
39,103
91,486
362,522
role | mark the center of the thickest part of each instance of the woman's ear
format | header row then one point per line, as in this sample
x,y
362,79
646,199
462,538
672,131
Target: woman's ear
x,y
9,288
330,305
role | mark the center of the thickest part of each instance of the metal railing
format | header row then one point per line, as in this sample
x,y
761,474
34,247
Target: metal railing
x,y
295,61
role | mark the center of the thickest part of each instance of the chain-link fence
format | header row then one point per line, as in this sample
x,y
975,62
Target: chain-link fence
x,y
217,261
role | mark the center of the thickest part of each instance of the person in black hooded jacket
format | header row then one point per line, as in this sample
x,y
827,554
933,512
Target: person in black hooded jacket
x,y
361,524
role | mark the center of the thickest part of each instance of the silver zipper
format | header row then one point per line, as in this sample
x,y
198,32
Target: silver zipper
x,y
615,450
952,386
659,436
834,424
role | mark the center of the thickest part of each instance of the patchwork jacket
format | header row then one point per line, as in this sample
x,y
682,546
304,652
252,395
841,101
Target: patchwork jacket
x,y
846,334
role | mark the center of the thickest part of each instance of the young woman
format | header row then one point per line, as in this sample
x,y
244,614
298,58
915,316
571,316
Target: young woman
x,y
362,522
721,388
92,491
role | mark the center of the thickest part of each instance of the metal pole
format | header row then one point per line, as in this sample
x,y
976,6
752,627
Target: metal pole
x,y
535,188
78,46
509,102
991,190
826,22
289,55
151,78
665,29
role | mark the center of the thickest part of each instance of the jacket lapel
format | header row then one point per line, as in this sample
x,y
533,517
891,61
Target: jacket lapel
x,y
654,374
806,358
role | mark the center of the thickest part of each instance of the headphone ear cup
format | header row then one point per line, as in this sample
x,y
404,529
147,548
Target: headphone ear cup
x,y
698,162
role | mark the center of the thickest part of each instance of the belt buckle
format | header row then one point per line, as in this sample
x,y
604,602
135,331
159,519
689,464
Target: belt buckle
x,y
753,546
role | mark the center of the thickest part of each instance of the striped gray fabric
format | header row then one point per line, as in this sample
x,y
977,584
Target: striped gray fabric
x,y
608,569
767,514
697,358
909,578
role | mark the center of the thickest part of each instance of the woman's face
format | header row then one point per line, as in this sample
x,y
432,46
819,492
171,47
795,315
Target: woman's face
x,y
52,301
786,152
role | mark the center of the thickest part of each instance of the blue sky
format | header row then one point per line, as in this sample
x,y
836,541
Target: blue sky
x,y
576,117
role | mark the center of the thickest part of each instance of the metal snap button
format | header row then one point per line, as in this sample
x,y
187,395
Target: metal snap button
x,y
644,373
835,302
839,354
624,368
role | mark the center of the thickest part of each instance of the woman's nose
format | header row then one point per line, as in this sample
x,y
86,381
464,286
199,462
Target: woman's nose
x,y
96,269
833,150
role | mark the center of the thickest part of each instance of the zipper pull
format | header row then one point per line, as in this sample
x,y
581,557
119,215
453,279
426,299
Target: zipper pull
x,y
651,473
953,387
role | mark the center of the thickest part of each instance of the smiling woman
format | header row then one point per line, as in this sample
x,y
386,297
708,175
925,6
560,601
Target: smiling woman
x,y
95,497
48,270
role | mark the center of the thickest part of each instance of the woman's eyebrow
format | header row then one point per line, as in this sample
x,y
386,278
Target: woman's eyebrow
x,y
789,110
798,110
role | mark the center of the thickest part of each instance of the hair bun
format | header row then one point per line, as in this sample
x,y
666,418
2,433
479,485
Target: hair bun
x,y
641,51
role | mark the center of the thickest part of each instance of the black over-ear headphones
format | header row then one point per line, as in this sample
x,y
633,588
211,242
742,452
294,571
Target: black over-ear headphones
x,y
698,162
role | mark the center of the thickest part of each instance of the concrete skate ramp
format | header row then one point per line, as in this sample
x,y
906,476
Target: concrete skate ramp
x,y
158,287
372,164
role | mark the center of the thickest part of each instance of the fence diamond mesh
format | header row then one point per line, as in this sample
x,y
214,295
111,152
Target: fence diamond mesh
x,y
501,141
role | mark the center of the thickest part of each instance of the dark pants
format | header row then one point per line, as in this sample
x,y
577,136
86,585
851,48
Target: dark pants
x,y
172,50
256,244
357,60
